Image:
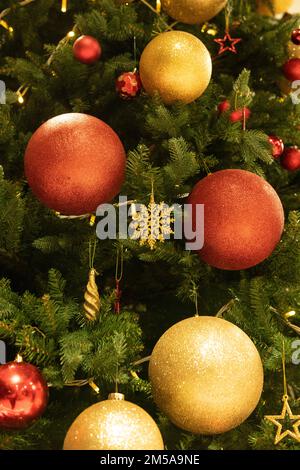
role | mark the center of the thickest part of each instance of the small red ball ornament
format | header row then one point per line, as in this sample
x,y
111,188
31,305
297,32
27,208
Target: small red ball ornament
x,y
290,159
277,146
128,85
223,106
238,114
243,218
74,162
291,70
295,37
23,395
87,50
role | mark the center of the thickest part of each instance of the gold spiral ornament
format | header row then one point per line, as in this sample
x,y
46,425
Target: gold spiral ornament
x,y
91,304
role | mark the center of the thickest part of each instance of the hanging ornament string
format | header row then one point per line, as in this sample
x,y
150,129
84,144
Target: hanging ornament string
x,y
195,297
244,118
287,417
91,304
134,52
283,370
118,278
227,43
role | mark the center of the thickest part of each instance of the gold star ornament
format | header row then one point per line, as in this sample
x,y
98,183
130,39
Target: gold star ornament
x,y
282,420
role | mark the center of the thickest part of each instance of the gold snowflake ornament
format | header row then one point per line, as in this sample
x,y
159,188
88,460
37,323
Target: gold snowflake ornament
x,y
152,223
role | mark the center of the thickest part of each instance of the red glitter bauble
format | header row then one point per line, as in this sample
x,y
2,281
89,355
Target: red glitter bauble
x,y
23,394
243,218
277,146
87,50
74,162
223,106
290,159
295,37
238,114
128,85
291,69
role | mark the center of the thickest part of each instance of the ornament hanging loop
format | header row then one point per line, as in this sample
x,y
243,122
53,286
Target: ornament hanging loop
x,y
118,278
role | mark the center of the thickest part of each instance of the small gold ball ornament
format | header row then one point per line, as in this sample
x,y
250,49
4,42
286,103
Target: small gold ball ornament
x,y
279,6
177,65
206,375
114,424
293,50
193,11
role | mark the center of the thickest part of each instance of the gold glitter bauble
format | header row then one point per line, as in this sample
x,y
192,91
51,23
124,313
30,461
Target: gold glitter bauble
x,y
177,65
293,50
279,6
193,11
206,375
114,424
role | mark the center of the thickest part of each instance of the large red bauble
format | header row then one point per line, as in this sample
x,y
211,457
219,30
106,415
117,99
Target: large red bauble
x,y
87,50
291,69
290,159
243,218
23,394
74,162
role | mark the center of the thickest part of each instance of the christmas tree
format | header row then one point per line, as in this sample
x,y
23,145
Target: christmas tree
x,y
168,103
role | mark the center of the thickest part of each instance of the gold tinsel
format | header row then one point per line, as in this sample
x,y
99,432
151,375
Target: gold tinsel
x,y
91,304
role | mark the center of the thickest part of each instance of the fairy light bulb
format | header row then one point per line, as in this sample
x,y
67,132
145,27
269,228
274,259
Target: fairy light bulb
x,y
64,6
289,314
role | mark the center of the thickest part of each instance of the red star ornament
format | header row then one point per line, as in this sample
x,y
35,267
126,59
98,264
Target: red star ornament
x,y
227,44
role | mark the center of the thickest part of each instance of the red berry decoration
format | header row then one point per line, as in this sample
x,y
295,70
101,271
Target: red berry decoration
x,y
128,85
87,50
74,162
223,106
291,70
290,159
238,114
277,146
23,394
243,218
295,37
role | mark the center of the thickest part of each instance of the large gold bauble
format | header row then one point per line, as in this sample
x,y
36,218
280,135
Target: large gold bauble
x,y
177,65
206,375
192,11
279,6
293,50
114,424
